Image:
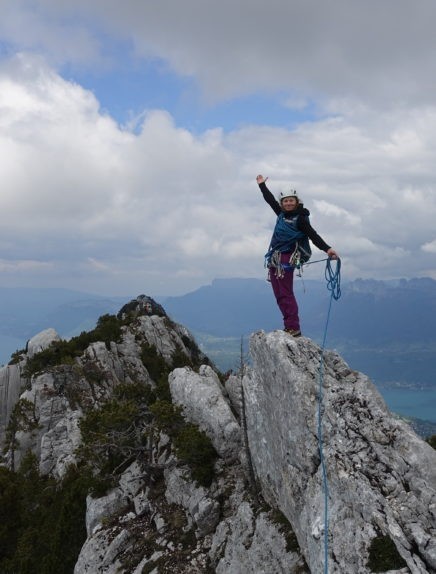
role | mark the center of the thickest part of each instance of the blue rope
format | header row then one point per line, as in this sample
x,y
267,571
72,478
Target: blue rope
x,y
317,261
333,279
334,286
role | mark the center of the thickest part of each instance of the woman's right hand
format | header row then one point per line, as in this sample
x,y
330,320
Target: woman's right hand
x,y
261,179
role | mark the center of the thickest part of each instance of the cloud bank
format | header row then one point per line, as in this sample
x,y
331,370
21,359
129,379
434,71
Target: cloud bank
x,y
91,204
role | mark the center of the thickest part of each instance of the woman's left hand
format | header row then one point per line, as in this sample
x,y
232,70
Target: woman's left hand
x,y
332,254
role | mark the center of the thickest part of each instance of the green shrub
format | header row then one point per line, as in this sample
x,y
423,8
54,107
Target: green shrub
x,y
432,441
10,517
23,419
140,393
112,436
383,555
197,356
42,526
154,363
159,369
168,417
17,356
115,434
194,448
59,353
65,352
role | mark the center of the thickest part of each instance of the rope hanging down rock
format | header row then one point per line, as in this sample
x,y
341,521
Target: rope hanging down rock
x,y
334,286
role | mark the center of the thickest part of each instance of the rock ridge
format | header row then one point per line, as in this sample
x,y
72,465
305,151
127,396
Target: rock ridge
x,y
262,509
381,476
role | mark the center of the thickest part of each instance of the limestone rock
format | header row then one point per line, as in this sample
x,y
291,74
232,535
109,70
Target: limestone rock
x,y
167,337
202,398
55,420
251,543
12,382
58,445
100,553
98,509
233,386
203,511
381,476
11,386
41,341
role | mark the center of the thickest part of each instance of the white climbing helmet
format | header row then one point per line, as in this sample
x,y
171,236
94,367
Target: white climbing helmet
x,y
290,193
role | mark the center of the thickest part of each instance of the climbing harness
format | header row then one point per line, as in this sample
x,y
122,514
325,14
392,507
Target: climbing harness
x,y
285,236
333,278
300,257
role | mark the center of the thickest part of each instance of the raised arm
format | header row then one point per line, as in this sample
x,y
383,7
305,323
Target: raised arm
x,y
267,195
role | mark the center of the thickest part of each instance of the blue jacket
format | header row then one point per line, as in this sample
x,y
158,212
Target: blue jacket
x,y
300,218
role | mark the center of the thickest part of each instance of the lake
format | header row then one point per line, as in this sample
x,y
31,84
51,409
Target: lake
x,y
416,403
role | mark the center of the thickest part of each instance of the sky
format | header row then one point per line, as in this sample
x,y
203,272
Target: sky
x,y
131,134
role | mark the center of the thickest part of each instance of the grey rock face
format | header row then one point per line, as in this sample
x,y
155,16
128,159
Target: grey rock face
x,y
203,511
58,445
57,434
167,337
233,386
41,341
201,395
251,543
12,382
98,509
59,394
223,532
11,386
381,476
100,553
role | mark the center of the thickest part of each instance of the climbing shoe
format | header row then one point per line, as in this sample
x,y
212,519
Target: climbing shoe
x,y
293,332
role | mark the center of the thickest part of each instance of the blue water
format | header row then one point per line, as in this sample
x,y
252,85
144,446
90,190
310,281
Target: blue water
x,y
417,403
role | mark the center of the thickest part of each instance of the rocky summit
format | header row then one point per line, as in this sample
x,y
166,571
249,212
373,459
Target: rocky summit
x,y
129,453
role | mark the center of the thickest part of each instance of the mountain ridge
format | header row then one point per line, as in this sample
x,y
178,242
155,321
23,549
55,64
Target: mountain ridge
x,y
384,328
164,465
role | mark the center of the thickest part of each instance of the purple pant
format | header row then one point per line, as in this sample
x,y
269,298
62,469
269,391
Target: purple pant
x,y
284,292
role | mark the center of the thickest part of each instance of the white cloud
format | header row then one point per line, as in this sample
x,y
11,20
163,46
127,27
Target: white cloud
x,y
341,49
165,210
51,29
332,210
429,247
23,266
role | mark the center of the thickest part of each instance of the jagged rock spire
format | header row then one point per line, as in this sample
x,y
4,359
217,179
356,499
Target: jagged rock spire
x,y
381,476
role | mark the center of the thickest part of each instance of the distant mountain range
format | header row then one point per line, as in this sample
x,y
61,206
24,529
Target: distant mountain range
x,y
24,312
386,329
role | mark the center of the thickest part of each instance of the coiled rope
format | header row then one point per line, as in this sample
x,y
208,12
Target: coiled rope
x,y
333,278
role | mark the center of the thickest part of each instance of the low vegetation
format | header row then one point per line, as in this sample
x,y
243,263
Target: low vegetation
x,y
22,419
42,520
65,352
383,555
432,441
192,446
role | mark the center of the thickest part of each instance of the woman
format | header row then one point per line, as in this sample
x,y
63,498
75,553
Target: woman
x,y
288,243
